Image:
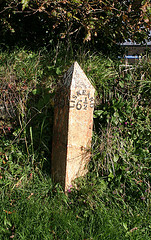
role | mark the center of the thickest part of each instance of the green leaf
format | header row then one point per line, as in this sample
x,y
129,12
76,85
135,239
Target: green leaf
x,y
121,84
116,157
125,226
24,3
116,114
98,112
110,176
76,18
34,92
58,71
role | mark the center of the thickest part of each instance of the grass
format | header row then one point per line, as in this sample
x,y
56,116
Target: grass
x,y
35,209
40,211
113,200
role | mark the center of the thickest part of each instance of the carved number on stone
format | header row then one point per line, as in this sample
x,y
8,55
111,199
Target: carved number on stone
x,y
83,103
79,105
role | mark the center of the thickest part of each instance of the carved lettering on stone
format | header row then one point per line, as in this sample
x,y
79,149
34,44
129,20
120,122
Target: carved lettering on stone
x,y
73,123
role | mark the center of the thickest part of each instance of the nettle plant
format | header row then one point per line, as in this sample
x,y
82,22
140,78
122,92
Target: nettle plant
x,y
121,148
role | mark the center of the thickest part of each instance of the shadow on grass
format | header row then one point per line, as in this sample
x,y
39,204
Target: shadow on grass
x,y
40,128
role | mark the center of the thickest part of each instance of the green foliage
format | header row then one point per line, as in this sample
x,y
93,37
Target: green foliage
x,y
24,3
47,213
104,16
42,22
113,200
122,121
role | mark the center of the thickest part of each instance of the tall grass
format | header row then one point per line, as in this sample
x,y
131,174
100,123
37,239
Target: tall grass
x,y
113,200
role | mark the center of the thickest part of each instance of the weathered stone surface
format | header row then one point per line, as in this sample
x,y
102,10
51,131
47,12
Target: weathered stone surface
x,y
73,123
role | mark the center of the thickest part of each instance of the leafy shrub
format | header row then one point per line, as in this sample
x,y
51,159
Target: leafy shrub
x,y
41,21
122,121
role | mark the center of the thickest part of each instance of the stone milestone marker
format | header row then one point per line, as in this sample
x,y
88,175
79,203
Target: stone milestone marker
x,y
73,123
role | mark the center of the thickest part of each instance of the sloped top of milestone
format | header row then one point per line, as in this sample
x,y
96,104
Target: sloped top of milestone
x,y
76,78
